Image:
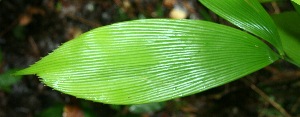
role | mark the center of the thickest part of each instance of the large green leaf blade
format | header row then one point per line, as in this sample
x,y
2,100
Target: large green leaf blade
x,y
288,27
151,60
248,15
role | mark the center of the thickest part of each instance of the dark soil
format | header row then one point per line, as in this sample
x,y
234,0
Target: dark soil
x,y
31,29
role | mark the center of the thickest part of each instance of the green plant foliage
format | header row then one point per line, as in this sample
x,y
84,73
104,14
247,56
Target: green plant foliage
x,y
269,112
146,108
19,32
296,4
205,14
53,111
87,109
288,27
296,1
115,107
248,15
7,80
264,1
151,60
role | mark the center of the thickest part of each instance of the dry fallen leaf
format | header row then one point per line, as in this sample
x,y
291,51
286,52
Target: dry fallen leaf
x,y
169,3
72,111
24,20
26,17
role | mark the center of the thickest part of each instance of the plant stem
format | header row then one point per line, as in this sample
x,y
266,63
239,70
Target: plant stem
x,y
268,99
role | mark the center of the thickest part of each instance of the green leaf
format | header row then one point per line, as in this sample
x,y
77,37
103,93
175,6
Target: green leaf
x,y
248,15
288,27
296,1
264,1
7,80
296,4
53,111
151,60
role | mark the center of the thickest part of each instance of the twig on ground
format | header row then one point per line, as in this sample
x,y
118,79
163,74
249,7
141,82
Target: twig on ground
x,y
34,47
281,77
10,27
275,7
84,21
267,98
295,106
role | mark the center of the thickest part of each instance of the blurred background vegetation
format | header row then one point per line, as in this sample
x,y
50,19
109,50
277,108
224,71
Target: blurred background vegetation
x,y
30,29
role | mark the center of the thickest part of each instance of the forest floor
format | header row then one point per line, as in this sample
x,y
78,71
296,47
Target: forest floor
x,y
30,30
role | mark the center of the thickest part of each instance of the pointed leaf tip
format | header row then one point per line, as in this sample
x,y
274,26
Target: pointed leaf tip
x,y
288,27
248,15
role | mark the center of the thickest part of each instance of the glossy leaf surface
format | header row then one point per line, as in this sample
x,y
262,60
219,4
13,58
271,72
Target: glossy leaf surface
x,y
248,15
288,24
151,60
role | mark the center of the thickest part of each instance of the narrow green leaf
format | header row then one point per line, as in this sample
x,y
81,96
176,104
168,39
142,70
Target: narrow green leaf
x,y
288,27
151,60
248,15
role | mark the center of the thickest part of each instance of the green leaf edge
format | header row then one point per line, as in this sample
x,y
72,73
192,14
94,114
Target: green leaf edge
x,y
273,37
29,70
287,25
